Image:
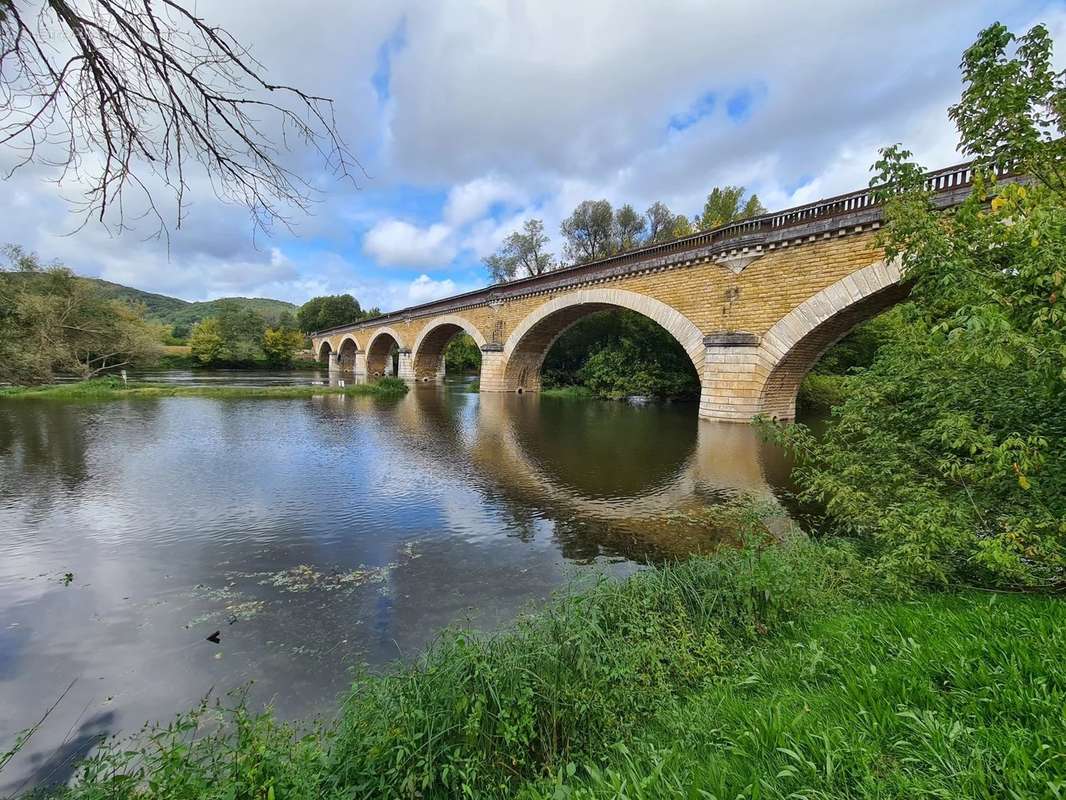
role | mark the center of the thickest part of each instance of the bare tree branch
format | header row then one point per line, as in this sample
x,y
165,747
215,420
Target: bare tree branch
x,y
121,94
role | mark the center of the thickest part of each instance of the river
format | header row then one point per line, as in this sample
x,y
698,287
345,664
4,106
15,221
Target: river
x,y
314,535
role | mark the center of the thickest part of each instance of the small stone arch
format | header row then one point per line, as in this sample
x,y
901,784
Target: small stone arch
x,y
526,347
380,351
432,341
346,352
793,346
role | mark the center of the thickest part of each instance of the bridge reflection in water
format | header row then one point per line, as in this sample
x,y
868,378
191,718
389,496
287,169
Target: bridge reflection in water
x,y
612,479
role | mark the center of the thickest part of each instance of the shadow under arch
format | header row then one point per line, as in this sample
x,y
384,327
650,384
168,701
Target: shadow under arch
x,y
794,345
382,353
531,340
324,351
432,342
346,353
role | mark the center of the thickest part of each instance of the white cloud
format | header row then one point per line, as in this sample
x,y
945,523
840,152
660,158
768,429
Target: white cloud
x,y
423,289
394,242
525,108
471,200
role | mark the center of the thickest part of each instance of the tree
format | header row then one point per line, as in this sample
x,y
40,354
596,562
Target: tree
x,y
131,93
723,205
280,345
205,342
53,322
331,311
660,222
682,227
1011,111
242,332
949,454
628,228
462,355
522,253
588,231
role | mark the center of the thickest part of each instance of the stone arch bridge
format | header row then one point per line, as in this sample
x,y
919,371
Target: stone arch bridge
x,y
754,304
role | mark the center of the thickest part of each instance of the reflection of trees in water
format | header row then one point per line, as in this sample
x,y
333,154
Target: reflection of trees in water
x,y
48,448
43,445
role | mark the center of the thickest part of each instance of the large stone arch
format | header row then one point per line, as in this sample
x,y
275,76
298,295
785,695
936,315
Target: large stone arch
x,y
347,351
325,350
525,348
378,352
793,346
432,341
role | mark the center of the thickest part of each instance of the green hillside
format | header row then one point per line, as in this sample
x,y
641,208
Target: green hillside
x,y
182,314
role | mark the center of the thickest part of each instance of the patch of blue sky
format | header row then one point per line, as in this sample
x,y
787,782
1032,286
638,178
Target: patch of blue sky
x,y
702,107
740,104
382,76
798,183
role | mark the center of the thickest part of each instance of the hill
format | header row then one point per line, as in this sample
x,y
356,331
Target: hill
x,y
183,314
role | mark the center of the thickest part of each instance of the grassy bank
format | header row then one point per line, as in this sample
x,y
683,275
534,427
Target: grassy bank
x,y
177,357
112,389
569,392
761,672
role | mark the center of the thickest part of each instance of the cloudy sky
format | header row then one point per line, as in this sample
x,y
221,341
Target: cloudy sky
x,y
471,116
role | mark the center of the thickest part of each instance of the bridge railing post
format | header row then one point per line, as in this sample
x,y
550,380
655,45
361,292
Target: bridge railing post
x,y
733,377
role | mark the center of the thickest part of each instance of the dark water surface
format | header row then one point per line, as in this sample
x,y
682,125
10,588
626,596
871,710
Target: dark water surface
x,y
314,534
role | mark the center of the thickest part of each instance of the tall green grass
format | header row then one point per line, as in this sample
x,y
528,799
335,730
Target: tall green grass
x,y
949,696
113,389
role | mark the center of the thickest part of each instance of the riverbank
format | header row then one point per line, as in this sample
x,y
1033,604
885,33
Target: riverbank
x,y
770,671
113,389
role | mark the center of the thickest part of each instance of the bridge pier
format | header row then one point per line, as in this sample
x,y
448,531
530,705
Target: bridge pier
x,y
405,367
359,368
733,377
492,366
334,362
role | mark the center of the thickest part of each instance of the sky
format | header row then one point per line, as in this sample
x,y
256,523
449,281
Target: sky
x,y
470,117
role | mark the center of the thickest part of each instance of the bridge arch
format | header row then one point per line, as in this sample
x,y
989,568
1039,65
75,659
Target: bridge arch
x,y
794,344
379,353
433,340
346,352
531,340
324,350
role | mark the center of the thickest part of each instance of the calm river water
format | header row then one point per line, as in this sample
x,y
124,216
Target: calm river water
x,y
314,534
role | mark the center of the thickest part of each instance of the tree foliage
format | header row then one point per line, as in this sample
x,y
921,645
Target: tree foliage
x,y
122,94
629,227
55,323
950,452
206,343
279,346
462,355
589,231
619,353
523,254
726,204
331,311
